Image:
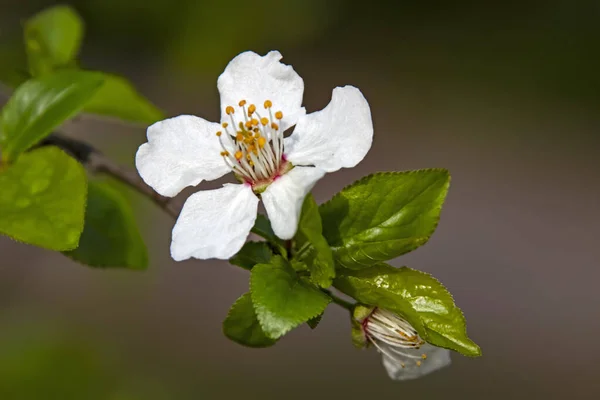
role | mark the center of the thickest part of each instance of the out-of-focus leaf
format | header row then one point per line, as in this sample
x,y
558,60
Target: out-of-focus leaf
x,y
110,235
52,39
40,105
42,199
118,98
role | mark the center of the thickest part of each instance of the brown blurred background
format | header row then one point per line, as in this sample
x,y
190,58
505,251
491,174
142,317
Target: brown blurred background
x,y
505,94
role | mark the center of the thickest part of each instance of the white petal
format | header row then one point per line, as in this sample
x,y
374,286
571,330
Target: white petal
x,y
255,78
214,223
338,136
181,151
436,358
283,199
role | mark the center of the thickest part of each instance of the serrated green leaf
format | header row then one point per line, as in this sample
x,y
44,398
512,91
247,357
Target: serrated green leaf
x,y
242,326
52,39
281,299
40,105
110,236
262,227
314,322
319,257
251,254
421,299
42,199
118,98
384,215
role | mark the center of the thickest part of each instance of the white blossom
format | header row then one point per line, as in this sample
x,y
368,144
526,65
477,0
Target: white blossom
x,y
405,354
260,98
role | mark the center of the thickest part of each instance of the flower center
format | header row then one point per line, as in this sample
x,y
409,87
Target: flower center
x,y
256,140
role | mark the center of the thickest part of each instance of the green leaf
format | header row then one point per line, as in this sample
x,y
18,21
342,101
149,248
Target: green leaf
x,y
384,215
281,299
262,227
314,322
110,236
242,326
421,299
319,256
40,105
42,199
52,39
118,98
251,254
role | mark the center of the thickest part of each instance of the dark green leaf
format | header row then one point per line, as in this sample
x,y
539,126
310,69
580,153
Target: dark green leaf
x,y
242,326
384,215
40,105
118,98
262,228
52,39
314,322
251,254
110,236
42,199
282,300
318,255
421,299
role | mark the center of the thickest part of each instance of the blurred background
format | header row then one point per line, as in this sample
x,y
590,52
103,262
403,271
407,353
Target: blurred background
x,y
505,94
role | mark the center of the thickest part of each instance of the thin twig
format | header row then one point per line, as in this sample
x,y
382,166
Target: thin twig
x,y
96,162
339,301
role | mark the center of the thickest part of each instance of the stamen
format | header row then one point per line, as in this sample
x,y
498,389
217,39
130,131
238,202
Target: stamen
x,y
255,149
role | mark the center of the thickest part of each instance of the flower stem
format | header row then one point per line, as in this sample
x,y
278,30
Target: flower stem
x,y
339,301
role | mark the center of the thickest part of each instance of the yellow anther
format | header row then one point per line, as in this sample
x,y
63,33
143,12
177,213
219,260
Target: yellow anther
x,y
239,155
424,356
418,363
256,134
248,124
242,103
224,124
239,137
268,104
274,126
403,365
254,122
229,110
225,153
251,110
278,115
219,133
264,121
262,141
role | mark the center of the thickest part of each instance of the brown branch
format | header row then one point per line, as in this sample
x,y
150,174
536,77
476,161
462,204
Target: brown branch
x,y
100,164
96,162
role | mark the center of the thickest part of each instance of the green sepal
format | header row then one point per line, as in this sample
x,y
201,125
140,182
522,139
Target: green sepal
x,y
383,216
42,104
110,237
242,326
281,299
42,199
418,297
318,256
252,253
